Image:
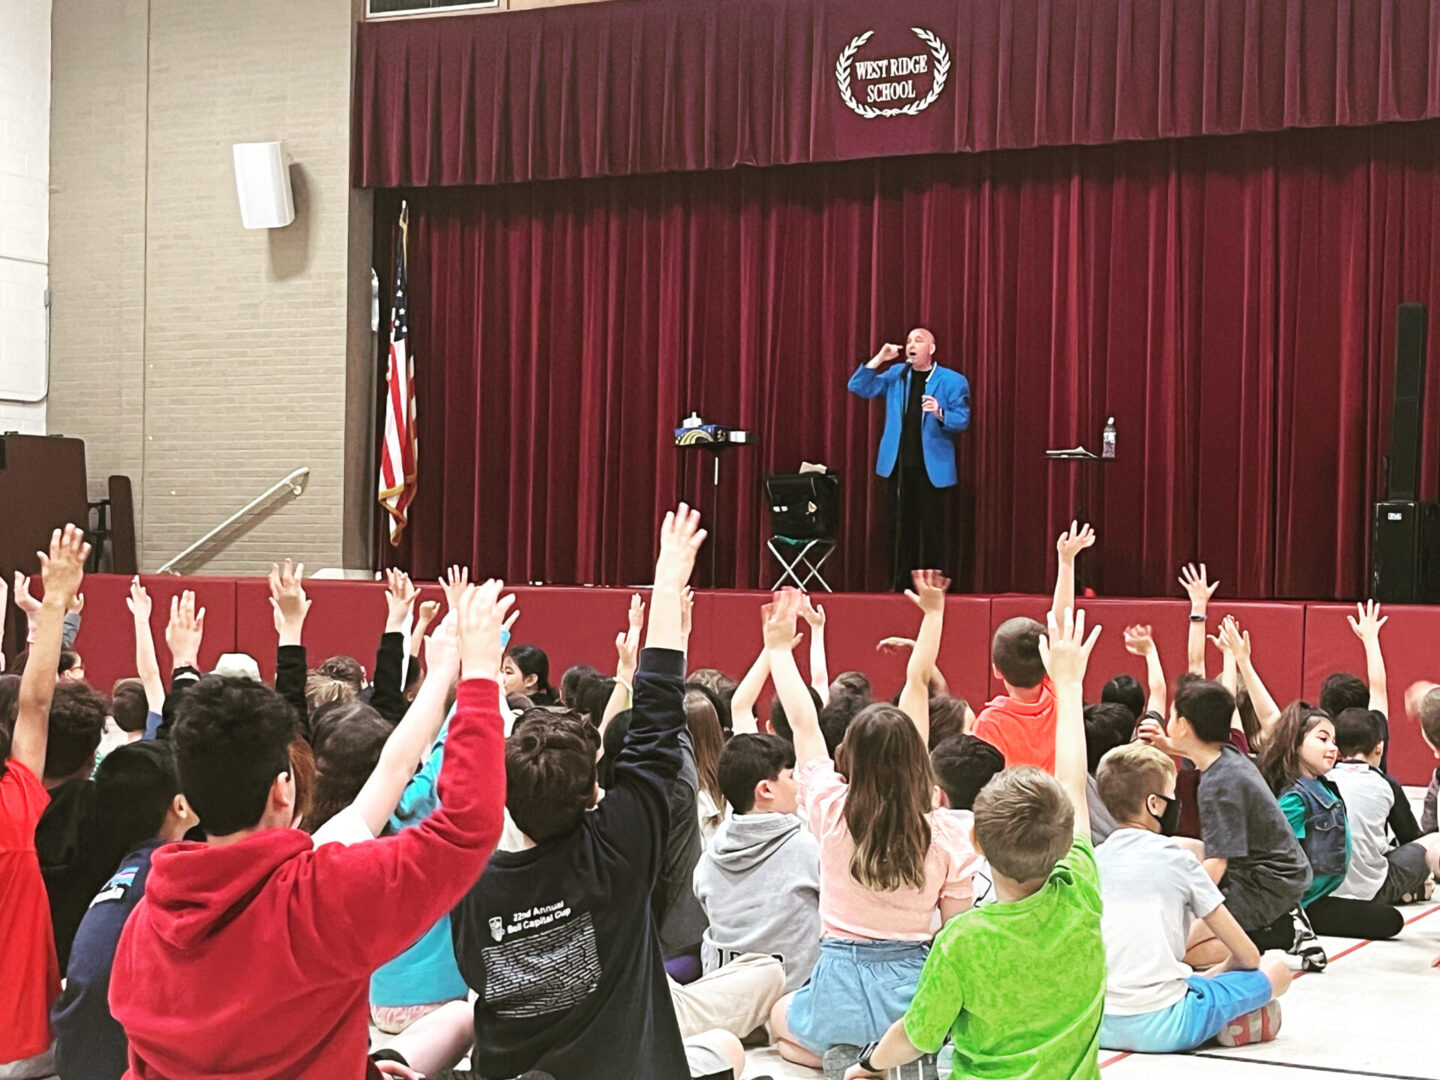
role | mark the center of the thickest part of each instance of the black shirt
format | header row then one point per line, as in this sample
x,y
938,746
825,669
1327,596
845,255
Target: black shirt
x,y
559,941
912,454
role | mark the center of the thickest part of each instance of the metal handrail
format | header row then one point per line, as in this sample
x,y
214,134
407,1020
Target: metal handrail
x,y
293,482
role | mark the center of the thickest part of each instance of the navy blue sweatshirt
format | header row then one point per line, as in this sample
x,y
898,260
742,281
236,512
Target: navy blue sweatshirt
x,y
559,940
89,1042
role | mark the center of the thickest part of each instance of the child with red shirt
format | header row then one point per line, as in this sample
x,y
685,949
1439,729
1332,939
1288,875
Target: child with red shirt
x,y
1020,723
31,981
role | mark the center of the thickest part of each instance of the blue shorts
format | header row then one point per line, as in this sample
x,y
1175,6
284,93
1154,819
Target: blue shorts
x,y
857,990
1208,1005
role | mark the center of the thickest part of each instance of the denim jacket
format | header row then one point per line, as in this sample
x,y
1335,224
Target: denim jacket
x,y
1325,825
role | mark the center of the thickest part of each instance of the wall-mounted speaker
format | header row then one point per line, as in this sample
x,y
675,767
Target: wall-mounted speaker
x,y
262,180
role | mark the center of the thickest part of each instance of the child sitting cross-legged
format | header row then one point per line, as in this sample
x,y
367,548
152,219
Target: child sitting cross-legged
x,y
1019,985
558,939
888,859
1152,887
759,880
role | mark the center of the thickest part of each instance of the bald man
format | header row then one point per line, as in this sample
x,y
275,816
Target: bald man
x,y
926,407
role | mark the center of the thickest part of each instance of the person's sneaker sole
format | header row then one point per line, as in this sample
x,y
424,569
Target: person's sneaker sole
x,y
1259,1026
838,1059
920,1069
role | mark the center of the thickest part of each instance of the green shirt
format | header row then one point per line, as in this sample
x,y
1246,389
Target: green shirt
x,y
1020,985
1320,884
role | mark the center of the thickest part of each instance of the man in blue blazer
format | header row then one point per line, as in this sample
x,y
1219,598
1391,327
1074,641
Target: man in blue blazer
x,y
926,406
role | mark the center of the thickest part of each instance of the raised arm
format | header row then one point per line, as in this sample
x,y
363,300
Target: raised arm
x,y
1267,712
415,733
929,596
1200,589
147,666
778,620
28,604
61,573
939,685
1367,629
814,615
627,649
1140,642
1066,652
1073,541
1228,669
747,693
387,690
290,606
424,616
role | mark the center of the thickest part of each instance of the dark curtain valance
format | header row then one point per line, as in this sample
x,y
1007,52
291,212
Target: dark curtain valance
x,y
647,86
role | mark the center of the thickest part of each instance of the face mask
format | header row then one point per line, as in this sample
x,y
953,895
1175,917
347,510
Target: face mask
x,y
1170,819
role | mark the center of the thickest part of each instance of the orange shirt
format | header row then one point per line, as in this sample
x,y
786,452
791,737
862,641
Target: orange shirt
x,y
29,972
1022,731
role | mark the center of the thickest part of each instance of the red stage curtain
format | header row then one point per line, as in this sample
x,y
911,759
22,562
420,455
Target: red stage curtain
x,y
650,86
1229,300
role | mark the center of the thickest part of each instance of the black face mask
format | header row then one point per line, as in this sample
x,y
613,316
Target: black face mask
x,y
1170,819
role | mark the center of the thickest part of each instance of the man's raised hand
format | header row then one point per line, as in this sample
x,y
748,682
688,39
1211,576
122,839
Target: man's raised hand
x,y
481,615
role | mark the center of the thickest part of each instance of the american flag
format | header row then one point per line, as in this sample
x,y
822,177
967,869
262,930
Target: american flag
x,y
399,453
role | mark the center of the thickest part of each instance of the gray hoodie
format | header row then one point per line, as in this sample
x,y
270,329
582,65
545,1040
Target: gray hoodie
x,y
759,883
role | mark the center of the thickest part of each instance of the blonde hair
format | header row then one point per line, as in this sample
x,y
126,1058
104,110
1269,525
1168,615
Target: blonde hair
x,y
1129,774
1024,823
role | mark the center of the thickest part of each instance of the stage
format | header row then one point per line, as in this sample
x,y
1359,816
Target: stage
x,y
1296,644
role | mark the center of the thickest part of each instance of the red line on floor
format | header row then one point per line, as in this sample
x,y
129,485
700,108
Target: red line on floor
x,y
1343,953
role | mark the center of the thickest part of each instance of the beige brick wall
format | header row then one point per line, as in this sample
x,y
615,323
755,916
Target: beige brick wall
x,y
206,360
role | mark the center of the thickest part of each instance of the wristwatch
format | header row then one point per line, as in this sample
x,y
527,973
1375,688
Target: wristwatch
x,y
864,1061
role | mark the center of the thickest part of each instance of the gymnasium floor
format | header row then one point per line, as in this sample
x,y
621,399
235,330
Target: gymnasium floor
x,y
1369,1015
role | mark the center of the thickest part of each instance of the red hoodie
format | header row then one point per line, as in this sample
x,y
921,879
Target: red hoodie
x,y
253,961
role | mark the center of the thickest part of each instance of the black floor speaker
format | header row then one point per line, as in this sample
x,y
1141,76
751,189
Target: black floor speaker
x,y
1405,552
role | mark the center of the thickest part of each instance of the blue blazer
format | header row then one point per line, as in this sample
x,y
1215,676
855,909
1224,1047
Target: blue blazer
x,y
949,388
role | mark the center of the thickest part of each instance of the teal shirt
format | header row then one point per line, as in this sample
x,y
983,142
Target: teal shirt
x,y
1322,884
1020,985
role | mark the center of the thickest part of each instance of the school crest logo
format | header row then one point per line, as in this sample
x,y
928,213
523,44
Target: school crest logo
x,y
497,927
892,85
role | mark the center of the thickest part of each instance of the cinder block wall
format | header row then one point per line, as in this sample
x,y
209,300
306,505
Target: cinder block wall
x,y
205,360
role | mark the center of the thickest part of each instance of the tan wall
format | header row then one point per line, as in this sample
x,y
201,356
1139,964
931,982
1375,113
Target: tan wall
x,y
205,360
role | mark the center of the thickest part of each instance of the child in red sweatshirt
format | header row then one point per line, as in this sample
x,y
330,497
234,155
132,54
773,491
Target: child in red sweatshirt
x,y
250,955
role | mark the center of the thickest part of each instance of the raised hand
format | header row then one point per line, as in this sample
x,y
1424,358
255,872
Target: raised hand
x,y
929,592
23,600
63,569
400,596
895,644
680,540
139,601
185,630
687,613
1150,731
442,650
1198,585
288,601
426,614
1234,640
77,604
777,619
1139,640
1074,540
1367,626
812,613
627,642
455,581
889,351
1064,648
481,613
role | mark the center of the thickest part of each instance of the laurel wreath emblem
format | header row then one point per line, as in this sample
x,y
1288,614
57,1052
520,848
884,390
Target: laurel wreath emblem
x,y
870,112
